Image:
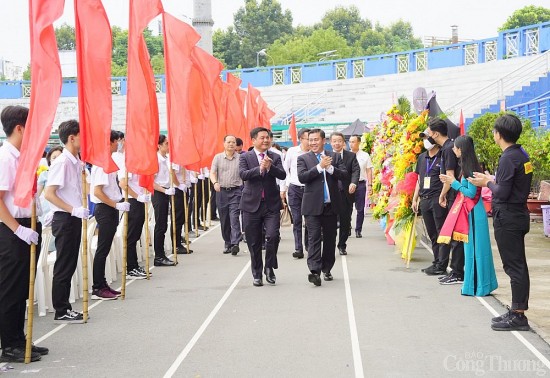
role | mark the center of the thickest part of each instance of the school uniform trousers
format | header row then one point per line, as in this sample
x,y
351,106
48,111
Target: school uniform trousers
x,y
107,223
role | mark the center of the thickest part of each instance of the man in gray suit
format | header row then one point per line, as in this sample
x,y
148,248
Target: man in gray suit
x,y
320,171
261,203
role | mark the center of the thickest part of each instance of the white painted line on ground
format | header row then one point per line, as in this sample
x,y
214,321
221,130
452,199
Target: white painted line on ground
x,y
522,339
527,344
172,370
357,361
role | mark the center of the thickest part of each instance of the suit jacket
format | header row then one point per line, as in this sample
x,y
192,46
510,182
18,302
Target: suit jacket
x,y
312,202
255,183
352,166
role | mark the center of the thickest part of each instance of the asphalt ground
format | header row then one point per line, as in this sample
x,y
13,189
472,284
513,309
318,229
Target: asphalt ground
x,y
203,318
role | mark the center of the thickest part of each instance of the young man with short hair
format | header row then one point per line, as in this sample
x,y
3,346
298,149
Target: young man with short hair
x,y
16,236
64,192
364,187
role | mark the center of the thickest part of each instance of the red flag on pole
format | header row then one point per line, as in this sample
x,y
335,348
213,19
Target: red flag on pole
x,y
142,119
252,118
234,108
179,40
93,57
264,113
461,124
46,89
292,130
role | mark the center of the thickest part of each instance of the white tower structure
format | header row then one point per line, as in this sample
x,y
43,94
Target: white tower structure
x,y
202,22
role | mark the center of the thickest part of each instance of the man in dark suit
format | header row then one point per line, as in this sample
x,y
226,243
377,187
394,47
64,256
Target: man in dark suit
x,y
261,203
320,171
347,188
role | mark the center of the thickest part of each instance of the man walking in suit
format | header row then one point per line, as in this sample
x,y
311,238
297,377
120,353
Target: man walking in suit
x,y
347,188
320,171
261,203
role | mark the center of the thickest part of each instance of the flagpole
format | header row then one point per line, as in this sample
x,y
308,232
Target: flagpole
x,y
209,210
147,237
32,275
125,243
203,204
409,244
173,201
186,208
196,211
84,250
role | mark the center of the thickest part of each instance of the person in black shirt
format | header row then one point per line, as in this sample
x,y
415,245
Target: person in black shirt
x,y
437,134
426,197
511,188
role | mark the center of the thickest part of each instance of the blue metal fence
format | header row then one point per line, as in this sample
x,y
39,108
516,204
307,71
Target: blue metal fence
x,y
508,44
535,110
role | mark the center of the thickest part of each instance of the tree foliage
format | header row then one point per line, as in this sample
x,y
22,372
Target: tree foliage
x,y
525,16
347,22
65,36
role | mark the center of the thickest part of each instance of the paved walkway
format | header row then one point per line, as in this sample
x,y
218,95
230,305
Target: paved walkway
x,y
204,318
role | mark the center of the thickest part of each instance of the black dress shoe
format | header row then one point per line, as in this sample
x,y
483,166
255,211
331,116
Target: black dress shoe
x,y
342,251
358,234
298,255
163,261
327,276
183,251
40,350
17,354
234,249
227,250
258,282
314,279
270,276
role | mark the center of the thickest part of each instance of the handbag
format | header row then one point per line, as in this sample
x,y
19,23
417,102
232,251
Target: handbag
x,y
286,217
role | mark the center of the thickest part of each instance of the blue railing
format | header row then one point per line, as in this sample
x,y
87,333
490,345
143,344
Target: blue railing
x,y
529,40
535,110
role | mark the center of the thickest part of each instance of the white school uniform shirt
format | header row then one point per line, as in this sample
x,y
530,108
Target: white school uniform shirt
x,y
66,173
9,161
110,186
162,177
290,164
365,163
133,179
179,172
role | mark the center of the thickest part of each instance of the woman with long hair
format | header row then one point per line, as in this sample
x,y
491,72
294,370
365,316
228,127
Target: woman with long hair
x,y
467,222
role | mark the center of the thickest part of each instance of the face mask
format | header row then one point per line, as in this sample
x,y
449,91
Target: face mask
x,y
428,144
119,147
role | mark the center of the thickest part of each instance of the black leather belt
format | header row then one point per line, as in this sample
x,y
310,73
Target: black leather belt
x,y
230,188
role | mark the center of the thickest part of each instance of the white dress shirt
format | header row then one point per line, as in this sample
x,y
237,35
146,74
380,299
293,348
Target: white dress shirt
x,y
290,164
133,179
108,181
365,163
66,173
162,177
9,161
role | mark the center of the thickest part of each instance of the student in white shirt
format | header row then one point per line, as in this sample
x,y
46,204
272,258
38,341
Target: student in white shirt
x,y
16,237
364,188
105,193
181,185
64,192
161,203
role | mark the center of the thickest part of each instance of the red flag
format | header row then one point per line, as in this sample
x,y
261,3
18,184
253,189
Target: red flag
x,y
252,118
93,56
292,131
234,107
264,113
147,182
245,133
46,89
179,40
461,123
142,118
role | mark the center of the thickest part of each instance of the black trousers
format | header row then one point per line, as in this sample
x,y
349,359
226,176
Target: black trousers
x,y
321,259
344,216
511,224
180,216
228,206
253,225
161,206
434,216
14,283
213,202
457,248
136,218
68,232
295,195
107,223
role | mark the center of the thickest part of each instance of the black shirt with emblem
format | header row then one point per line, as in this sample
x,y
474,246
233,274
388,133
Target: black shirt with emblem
x,y
449,159
434,164
513,177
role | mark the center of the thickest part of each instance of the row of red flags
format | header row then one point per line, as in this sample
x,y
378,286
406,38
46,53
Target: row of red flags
x,y
201,108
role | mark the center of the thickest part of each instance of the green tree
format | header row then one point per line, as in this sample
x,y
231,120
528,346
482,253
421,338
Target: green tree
x,y
256,27
157,62
65,36
525,16
27,73
306,49
347,22
119,46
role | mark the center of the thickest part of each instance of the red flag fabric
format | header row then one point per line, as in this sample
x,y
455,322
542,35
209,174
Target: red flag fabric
x,y
234,107
247,142
264,113
147,182
461,124
252,116
179,40
292,131
46,89
142,118
93,56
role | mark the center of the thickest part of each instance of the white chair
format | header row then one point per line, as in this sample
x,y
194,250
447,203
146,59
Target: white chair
x,y
43,281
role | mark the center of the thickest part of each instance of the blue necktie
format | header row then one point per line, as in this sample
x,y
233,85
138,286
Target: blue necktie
x,y
325,191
